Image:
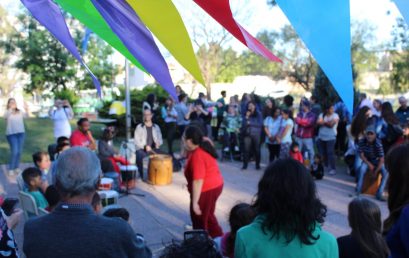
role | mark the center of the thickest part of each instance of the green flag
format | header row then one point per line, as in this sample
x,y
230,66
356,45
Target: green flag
x,y
163,19
86,13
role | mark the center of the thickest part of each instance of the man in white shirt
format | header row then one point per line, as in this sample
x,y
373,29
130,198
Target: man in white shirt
x,y
61,113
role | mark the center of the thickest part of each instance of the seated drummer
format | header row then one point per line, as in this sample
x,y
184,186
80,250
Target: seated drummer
x,y
148,139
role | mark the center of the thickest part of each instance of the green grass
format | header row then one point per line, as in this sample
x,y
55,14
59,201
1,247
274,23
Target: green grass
x,y
39,134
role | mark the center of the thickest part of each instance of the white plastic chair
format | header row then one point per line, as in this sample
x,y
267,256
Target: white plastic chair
x,y
20,182
28,204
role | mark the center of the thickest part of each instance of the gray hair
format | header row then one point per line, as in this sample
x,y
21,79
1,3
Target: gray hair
x,y
78,172
402,99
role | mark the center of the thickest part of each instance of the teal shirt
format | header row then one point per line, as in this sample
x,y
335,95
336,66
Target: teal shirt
x,y
251,242
40,199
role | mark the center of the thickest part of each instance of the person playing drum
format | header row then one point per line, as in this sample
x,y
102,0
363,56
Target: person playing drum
x,y
148,139
204,180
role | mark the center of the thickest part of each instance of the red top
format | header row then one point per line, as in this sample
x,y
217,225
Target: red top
x,y
202,165
297,156
79,139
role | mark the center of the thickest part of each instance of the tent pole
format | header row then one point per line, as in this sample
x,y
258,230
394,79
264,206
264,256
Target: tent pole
x,y
127,101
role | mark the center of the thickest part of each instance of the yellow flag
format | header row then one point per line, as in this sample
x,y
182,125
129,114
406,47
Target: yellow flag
x,y
163,19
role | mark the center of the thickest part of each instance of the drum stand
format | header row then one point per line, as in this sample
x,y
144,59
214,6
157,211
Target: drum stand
x,y
127,192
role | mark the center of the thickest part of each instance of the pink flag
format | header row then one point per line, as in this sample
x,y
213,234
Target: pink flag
x,y
221,12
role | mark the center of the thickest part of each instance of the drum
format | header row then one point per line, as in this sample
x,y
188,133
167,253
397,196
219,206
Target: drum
x,y
128,174
371,183
108,197
105,183
160,169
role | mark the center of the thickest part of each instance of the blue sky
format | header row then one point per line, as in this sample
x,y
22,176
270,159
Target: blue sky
x,y
256,15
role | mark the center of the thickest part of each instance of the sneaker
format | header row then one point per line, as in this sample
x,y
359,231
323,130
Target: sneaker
x,y
226,149
17,171
332,172
188,227
236,148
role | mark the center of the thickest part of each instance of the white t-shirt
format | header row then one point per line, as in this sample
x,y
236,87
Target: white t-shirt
x,y
328,133
61,120
15,122
287,138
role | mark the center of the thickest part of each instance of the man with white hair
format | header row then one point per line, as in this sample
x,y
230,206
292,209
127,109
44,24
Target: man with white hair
x,y
72,229
403,111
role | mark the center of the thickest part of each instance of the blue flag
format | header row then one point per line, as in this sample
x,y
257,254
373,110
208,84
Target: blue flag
x,y
403,6
85,40
325,28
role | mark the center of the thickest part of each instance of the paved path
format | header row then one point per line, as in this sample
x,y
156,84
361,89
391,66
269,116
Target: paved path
x,y
163,213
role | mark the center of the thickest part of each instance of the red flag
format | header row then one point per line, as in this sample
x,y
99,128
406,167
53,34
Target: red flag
x,y
221,12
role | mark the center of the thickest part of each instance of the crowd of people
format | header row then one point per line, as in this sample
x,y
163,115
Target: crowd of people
x,y
303,143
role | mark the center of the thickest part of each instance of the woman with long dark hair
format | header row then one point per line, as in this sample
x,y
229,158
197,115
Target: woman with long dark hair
x,y
365,240
289,218
170,115
396,226
251,128
15,134
391,129
204,180
360,122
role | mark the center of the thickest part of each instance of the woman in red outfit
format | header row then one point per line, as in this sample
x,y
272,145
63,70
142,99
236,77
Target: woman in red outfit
x,y
204,181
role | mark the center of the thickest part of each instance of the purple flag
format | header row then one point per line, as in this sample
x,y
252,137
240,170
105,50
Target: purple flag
x,y
50,16
126,24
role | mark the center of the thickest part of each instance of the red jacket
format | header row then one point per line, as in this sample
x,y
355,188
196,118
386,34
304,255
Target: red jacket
x,y
306,125
297,156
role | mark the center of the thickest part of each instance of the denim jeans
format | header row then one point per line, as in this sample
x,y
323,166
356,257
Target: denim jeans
x,y
363,170
327,149
306,144
16,142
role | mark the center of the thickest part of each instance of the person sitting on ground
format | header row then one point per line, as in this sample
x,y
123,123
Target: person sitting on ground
x,y
147,138
241,215
53,197
42,161
96,203
83,136
317,170
396,226
295,152
73,229
289,218
365,240
197,247
231,123
370,150
32,178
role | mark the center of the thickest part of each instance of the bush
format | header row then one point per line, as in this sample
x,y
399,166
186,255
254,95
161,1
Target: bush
x,y
137,99
68,95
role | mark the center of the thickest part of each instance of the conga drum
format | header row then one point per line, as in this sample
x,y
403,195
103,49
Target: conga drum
x,y
105,183
128,174
160,169
371,183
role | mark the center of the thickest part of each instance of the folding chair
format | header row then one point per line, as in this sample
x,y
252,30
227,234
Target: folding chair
x,y
20,182
28,204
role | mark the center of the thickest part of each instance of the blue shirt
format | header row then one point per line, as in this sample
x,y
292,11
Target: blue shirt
x,y
169,115
273,126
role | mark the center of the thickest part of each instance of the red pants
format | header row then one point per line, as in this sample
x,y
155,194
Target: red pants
x,y
121,160
207,204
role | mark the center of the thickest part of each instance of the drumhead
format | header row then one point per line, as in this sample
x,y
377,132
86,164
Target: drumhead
x,y
128,168
106,180
160,156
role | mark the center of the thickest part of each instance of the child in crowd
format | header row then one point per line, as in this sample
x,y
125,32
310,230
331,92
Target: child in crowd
x,y
317,170
41,160
32,178
96,203
52,196
295,152
231,125
241,215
